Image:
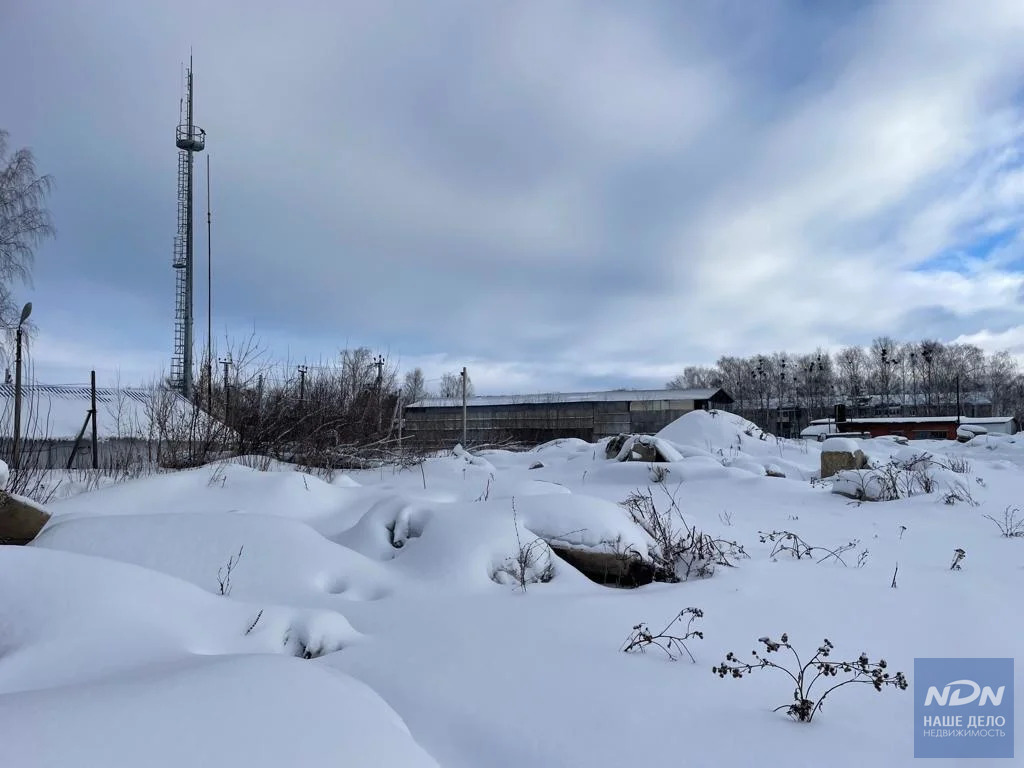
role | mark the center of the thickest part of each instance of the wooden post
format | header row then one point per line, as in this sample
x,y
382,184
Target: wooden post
x,y
465,426
401,418
92,413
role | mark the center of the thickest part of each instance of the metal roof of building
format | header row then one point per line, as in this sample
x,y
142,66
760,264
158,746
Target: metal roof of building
x,y
553,398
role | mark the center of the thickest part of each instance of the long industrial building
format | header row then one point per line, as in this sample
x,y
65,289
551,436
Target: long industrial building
x,y
538,418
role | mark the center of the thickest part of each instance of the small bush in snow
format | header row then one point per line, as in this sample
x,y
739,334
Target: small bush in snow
x,y
486,493
805,675
958,464
674,645
530,564
787,542
959,492
255,622
958,557
224,573
219,474
1010,526
679,552
903,478
659,473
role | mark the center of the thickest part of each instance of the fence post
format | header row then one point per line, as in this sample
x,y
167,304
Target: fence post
x,y
95,451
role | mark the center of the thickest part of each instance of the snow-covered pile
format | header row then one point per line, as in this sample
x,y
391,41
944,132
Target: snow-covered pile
x,y
734,442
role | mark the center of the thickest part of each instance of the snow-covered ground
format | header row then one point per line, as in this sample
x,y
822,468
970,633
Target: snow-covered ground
x,y
231,617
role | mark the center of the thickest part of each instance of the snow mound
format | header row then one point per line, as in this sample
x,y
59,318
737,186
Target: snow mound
x,y
564,445
466,544
67,619
738,444
254,711
225,487
712,430
386,528
282,560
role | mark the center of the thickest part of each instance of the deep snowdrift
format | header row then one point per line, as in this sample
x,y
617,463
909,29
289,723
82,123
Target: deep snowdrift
x,y
401,584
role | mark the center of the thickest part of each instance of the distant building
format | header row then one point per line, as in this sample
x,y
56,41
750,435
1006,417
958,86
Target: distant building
x,y
132,424
911,427
538,418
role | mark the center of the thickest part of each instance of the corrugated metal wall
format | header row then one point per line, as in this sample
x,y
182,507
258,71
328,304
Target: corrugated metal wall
x,y
537,423
54,454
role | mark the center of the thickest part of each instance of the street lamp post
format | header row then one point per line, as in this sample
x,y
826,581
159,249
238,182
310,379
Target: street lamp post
x,y
16,448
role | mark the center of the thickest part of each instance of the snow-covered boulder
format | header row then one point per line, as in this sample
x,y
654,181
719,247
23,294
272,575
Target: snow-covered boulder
x,y
840,454
21,519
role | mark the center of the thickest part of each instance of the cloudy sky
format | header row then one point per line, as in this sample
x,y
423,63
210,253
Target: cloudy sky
x,y
556,194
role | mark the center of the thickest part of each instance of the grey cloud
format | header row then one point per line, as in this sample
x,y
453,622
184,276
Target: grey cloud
x,y
535,185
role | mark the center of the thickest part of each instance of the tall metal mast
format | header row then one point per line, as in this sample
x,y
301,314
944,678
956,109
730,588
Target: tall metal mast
x,y
189,139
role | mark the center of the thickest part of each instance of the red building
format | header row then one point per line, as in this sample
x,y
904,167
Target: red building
x,y
919,427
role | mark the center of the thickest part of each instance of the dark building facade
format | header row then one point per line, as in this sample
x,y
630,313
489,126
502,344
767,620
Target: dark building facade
x,y
538,418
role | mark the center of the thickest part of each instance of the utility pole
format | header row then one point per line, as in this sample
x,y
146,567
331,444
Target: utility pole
x,y
302,386
209,295
92,411
379,362
465,426
958,400
16,448
227,392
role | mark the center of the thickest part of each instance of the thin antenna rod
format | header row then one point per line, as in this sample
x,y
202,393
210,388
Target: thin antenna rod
x,y
209,293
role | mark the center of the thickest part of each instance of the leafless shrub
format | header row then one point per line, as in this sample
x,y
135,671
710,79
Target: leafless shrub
x,y
673,645
219,476
958,464
255,461
255,622
1011,526
486,493
679,551
659,473
787,542
531,563
959,492
224,573
805,675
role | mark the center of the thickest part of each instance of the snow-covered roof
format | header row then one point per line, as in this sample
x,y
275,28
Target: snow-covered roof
x,y
615,395
57,412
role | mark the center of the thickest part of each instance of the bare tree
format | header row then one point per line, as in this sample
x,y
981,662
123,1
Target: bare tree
x,y
24,221
696,377
414,386
451,386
